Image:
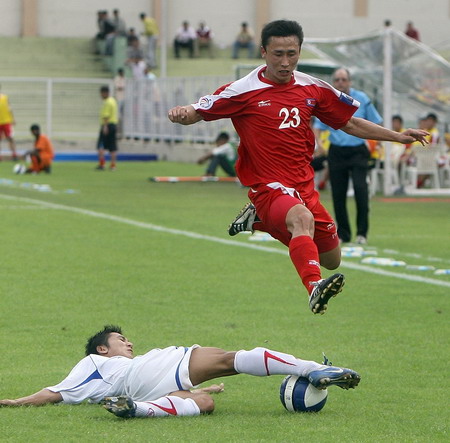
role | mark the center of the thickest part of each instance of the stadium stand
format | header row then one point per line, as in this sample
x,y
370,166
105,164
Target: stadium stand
x,y
50,57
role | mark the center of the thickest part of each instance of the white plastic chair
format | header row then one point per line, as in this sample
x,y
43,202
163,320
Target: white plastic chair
x,y
444,167
426,163
377,173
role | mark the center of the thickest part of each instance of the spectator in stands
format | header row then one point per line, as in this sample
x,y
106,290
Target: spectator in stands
x,y
244,40
135,59
412,32
185,38
107,32
431,121
106,25
119,24
398,149
131,34
150,32
109,118
223,155
42,155
119,94
7,122
138,67
134,50
205,39
397,152
428,123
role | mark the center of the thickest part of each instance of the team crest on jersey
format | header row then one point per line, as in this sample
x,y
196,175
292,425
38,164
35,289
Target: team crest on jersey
x,y
264,103
205,102
311,102
346,98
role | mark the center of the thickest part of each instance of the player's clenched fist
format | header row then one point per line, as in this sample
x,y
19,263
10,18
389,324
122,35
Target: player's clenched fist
x,y
186,115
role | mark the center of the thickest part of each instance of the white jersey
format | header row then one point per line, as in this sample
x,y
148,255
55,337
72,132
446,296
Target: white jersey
x,y
94,378
144,378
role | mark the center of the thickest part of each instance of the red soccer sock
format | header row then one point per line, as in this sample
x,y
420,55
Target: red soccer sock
x,y
305,257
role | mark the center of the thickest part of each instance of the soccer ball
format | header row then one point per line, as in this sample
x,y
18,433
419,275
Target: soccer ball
x,y
19,169
298,395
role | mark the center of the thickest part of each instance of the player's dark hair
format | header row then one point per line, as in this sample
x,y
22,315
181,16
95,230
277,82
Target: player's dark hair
x,y
101,338
35,127
223,136
398,117
281,28
104,88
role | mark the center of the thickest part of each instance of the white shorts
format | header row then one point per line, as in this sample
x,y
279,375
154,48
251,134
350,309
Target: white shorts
x,y
159,372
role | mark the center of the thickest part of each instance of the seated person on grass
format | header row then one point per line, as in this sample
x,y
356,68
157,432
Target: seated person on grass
x,y
223,155
160,383
42,155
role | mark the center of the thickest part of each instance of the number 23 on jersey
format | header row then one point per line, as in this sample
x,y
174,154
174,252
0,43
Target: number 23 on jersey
x,y
291,118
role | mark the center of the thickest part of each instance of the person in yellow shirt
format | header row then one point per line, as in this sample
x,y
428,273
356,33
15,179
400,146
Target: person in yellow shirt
x,y
151,32
6,123
109,118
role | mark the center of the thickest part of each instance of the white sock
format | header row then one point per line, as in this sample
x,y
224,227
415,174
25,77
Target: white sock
x,y
263,362
165,406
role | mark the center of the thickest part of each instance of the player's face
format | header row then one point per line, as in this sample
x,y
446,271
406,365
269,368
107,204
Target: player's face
x,y
119,345
281,55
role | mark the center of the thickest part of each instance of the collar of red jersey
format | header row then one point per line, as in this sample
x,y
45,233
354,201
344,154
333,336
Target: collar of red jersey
x,y
264,79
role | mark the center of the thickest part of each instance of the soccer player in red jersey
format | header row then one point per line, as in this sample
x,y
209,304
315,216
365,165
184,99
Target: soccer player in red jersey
x,y
271,109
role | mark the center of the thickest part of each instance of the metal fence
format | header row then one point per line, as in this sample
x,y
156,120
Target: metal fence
x,y
147,103
63,107
69,108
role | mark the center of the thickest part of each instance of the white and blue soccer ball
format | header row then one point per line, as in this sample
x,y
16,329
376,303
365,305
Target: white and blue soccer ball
x,y
298,395
19,169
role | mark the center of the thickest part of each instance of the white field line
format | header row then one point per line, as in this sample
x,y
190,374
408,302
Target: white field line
x,y
143,225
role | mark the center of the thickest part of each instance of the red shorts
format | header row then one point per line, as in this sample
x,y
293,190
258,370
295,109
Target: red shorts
x,y
6,129
272,206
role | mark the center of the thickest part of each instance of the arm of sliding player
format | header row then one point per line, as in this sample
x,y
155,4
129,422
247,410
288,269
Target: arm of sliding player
x,y
42,397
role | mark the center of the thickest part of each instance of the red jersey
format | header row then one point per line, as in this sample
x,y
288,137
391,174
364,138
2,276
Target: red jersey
x,y
273,124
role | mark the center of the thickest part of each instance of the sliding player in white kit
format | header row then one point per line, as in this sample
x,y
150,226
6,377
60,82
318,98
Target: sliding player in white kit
x,y
160,383
271,109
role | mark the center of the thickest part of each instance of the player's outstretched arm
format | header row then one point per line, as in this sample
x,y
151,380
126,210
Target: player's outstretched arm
x,y
42,397
185,115
364,129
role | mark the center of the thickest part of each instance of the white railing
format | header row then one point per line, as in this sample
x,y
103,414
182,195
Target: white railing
x,y
147,103
68,108
63,107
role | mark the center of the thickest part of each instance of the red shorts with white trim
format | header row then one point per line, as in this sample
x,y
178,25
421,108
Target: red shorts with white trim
x,y
273,202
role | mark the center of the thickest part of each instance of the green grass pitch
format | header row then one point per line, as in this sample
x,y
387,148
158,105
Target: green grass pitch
x,y
102,247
